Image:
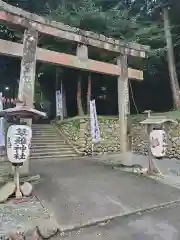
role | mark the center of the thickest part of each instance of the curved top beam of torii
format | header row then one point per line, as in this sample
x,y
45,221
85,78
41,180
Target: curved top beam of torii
x,y
18,16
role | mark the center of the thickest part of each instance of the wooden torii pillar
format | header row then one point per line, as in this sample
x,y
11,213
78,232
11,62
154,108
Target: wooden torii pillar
x,y
28,67
123,101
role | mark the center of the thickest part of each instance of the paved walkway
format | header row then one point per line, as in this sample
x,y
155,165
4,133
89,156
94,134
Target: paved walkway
x,y
170,168
167,166
82,191
161,224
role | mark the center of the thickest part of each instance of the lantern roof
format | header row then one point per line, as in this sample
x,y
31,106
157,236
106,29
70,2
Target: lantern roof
x,y
22,111
157,120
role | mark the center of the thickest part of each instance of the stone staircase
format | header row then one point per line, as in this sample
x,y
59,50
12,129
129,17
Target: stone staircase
x,y
48,143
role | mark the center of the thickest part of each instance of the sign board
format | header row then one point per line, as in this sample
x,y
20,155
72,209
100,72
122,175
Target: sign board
x,y
2,134
95,131
59,104
158,143
18,143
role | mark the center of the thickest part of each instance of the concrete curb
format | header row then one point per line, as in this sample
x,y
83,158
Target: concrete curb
x,y
113,217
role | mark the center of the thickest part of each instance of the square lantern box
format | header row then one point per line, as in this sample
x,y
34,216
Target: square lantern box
x,y
157,138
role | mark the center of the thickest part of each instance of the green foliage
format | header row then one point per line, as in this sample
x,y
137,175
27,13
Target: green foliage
x,y
137,21
121,20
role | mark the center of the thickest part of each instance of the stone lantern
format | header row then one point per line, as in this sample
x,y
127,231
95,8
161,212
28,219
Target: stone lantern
x,y
155,127
18,140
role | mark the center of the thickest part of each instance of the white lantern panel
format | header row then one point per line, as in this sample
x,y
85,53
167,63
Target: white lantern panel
x,y
18,143
158,143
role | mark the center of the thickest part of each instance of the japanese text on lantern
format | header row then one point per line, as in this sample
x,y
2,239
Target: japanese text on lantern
x,y
18,143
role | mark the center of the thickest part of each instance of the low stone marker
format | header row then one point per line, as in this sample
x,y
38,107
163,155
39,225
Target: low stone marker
x,y
6,191
26,189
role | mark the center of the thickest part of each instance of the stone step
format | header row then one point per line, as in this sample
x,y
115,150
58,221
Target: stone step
x,y
53,154
43,128
58,157
46,140
43,131
43,145
51,146
52,150
41,125
45,135
51,130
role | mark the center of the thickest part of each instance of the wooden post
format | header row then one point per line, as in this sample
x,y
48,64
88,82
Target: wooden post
x,y
123,101
27,75
82,54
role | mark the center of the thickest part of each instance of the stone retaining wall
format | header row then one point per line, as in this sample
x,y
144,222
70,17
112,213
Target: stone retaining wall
x,y
109,132
109,127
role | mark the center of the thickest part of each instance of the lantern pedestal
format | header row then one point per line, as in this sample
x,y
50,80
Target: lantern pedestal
x,y
18,193
24,169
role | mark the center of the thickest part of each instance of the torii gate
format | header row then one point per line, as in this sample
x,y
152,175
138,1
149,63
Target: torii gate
x,y
29,52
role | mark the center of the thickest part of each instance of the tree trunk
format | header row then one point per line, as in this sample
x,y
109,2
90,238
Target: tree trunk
x,y
89,94
171,62
79,98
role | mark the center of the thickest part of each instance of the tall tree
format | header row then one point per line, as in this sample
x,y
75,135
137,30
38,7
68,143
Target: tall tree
x,y
79,97
171,61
